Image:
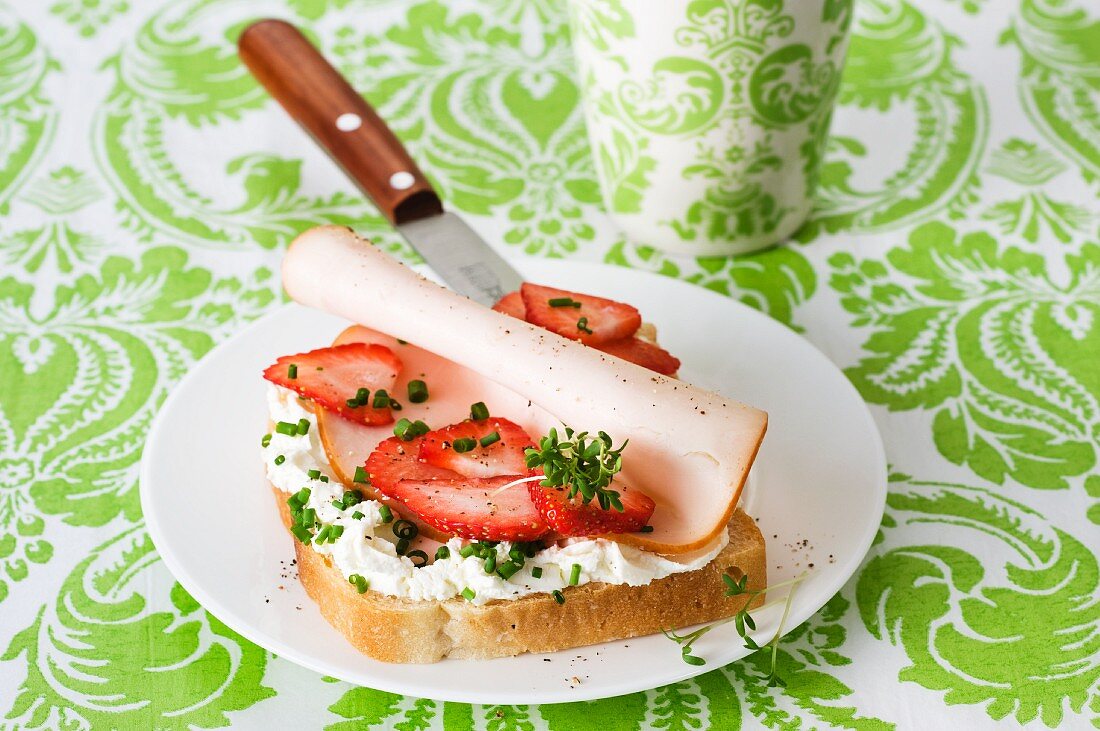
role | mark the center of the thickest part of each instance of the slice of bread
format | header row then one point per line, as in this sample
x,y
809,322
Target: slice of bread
x,y
392,629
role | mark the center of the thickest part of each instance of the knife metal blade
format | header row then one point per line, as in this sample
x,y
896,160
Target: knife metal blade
x,y
461,258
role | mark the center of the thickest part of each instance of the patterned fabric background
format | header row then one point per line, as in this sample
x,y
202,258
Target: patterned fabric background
x,y
952,268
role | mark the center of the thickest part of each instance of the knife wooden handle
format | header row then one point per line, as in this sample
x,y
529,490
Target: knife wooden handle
x,y
351,132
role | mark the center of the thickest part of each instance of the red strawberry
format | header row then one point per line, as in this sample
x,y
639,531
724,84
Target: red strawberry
x,y
643,353
570,517
331,376
511,304
394,460
471,508
604,320
503,457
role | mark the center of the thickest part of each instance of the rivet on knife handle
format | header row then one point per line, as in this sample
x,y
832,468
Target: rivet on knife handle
x,y
315,94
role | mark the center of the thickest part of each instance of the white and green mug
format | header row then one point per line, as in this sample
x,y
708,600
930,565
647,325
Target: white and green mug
x,y
708,118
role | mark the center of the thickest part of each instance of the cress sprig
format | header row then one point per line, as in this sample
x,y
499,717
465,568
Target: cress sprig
x,y
584,464
744,623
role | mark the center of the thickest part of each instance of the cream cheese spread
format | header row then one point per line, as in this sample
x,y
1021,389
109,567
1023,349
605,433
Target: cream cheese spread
x,y
367,545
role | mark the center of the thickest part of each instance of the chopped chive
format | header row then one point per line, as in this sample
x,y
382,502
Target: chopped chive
x,y
360,583
313,474
516,554
303,426
303,495
464,444
405,529
395,405
322,535
309,517
386,513
265,441
467,550
508,569
564,302
323,478
468,594
334,532
416,556
406,430
351,497
292,371
287,428
362,396
582,325
646,529
490,438
381,399
352,403
575,574
558,596
402,342
360,476
418,392
337,504
280,458
537,572
491,563
442,553
301,533
357,515
479,411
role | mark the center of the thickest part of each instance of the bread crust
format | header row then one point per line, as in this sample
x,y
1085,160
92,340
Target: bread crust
x,y
398,630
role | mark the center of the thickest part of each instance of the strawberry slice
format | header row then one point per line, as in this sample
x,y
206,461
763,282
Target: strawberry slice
x,y
512,304
597,320
331,376
472,508
570,517
502,457
643,353
394,460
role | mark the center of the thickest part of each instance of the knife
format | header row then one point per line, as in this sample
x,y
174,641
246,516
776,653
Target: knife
x,y
315,94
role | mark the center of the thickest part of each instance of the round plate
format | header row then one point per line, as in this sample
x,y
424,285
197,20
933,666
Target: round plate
x,y
817,489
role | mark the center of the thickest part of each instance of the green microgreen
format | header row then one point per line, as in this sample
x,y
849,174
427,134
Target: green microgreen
x,y
744,624
586,466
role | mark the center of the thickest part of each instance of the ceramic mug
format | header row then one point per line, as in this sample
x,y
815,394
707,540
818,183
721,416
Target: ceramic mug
x,y
708,118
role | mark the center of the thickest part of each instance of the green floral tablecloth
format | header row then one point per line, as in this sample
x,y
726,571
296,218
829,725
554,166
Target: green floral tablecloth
x,y
952,268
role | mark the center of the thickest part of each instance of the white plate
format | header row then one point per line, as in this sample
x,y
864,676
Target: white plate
x,y
820,478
